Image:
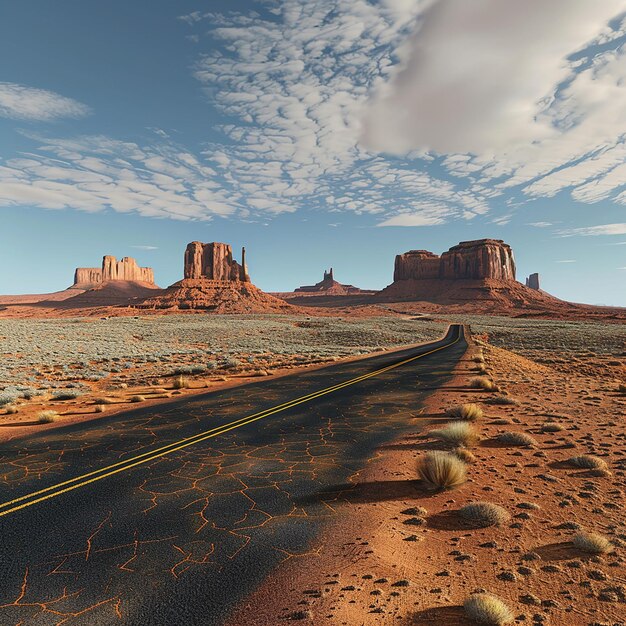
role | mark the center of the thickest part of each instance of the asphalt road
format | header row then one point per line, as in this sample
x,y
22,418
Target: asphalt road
x,y
171,514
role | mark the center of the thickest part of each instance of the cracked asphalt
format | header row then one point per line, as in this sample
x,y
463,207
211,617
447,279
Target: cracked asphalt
x,y
182,537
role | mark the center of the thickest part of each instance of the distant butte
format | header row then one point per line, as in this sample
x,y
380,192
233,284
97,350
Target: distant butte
x,y
472,274
329,286
214,281
126,269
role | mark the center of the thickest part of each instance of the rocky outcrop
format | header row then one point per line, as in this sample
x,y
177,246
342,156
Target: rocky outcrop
x,y
214,261
533,282
470,260
328,286
416,265
214,282
126,269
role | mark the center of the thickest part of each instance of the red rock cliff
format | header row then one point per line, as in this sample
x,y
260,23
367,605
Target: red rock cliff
x,y
112,269
473,260
214,261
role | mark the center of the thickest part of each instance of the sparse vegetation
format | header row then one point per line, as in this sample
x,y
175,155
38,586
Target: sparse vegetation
x,y
105,400
592,543
442,470
465,411
458,433
66,394
46,417
465,455
99,408
137,399
483,514
482,382
552,427
503,400
588,461
513,438
180,382
485,608
12,409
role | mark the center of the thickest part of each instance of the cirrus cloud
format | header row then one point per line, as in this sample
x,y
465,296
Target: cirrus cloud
x,y
32,104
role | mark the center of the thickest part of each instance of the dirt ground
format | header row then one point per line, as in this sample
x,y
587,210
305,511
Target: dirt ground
x,y
384,561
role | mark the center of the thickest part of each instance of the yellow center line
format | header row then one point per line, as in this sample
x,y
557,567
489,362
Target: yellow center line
x,y
115,468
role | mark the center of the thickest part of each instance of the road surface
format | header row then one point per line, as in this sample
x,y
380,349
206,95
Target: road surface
x,y
171,514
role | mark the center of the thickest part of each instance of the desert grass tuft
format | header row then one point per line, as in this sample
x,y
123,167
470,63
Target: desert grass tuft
x,y
592,543
483,514
137,399
12,409
465,455
442,470
552,427
458,433
512,438
485,608
47,417
105,400
180,382
503,400
479,358
465,411
482,382
99,408
588,461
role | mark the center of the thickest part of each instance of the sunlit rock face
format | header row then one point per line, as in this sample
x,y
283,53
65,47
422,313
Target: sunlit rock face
x,y
214,261
125,269
470,260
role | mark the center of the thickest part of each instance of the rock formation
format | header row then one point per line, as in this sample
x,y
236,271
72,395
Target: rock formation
x,y
533,281
472,274
328,286
126,269
474,260
214,282
214,261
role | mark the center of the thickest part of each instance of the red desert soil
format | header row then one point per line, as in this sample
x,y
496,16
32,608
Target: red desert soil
x,y
379,562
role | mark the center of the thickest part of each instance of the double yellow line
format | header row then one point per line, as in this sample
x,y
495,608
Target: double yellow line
x,y
85,479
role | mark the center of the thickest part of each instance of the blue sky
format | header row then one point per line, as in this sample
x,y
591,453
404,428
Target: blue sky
x,y
314,133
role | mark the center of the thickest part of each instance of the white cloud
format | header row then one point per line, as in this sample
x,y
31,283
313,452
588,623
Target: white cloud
x,y
97,173
540,224
411,219
145,247
603,229
567,261
28,103
515,94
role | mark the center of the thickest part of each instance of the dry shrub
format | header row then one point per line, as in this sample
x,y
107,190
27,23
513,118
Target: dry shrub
x,y
442,470
485,608
12,409
512,438
456,433
465,455
502,400
483,514
47,417
588,461
105,400
136,399
621,388
99,408
465,411
482,382
180,383
552,427
592,543
479,358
